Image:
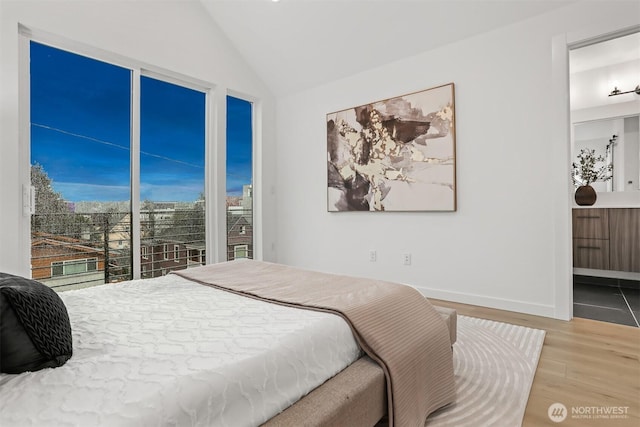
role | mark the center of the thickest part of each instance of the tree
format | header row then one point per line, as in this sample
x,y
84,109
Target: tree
x,y
52,214
187,225
148,225
48,201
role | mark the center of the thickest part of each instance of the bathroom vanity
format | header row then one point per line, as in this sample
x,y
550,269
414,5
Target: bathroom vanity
x,y
607,239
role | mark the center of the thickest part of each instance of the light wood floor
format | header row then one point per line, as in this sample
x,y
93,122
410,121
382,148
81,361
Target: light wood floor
x,y
584,363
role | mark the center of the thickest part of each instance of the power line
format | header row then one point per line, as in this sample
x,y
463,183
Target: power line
x,y
111,144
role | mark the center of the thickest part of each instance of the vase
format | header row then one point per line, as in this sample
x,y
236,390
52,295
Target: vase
x,y
585,195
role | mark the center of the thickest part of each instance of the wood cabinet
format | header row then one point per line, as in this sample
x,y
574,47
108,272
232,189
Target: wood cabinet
x,y
624,235
607,239
591,238
591,224
591,253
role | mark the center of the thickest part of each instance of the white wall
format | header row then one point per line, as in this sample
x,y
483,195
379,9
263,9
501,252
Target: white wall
x,y
178,36
501,248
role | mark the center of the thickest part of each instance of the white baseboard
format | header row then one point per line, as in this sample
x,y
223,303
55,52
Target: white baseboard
x,y
490,302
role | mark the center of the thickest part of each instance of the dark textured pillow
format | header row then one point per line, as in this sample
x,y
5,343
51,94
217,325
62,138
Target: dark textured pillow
x,y
35,332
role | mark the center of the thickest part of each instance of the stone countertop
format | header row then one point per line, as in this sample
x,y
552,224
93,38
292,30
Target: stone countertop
x,y
617,199
605,206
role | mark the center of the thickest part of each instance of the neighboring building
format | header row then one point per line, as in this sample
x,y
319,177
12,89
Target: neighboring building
x,y
196,254
239,235
240,226
119,234
159,257
60,261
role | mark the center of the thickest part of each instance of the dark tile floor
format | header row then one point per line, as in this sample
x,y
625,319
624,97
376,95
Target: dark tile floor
x,y
608,300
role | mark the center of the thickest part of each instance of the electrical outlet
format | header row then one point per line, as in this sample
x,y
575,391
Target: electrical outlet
x,y
406,259
373,256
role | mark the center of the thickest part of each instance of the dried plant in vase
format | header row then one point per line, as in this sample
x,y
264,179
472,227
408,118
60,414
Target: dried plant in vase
x,y
590,168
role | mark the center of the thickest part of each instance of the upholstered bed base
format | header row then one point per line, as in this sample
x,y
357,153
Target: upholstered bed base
x,y
450,317
356,397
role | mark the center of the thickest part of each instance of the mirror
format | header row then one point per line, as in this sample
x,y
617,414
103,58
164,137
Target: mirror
x,y
618,141
605,107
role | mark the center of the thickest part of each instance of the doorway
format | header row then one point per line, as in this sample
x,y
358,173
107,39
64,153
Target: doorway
x,y
605,128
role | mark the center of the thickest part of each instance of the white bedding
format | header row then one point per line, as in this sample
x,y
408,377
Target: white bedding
x,y
168,351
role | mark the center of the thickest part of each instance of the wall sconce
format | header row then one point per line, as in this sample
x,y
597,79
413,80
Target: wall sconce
x,y
617,91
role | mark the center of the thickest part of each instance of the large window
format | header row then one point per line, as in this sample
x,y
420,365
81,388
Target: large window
x,y
76,266
240,251
239,178
88,164
172,165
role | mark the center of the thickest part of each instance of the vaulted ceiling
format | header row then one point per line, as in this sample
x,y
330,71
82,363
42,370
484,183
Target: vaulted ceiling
x,y
298,44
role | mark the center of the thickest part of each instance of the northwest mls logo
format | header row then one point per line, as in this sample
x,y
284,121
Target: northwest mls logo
x,y
557,412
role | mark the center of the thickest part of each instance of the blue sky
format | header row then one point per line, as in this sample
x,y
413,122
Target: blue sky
x,y
239,145
80,124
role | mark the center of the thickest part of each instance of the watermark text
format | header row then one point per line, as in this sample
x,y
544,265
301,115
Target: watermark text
x,y
558,412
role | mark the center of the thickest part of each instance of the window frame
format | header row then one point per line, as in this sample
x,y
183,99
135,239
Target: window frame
x,y
215,141
75,262
237,248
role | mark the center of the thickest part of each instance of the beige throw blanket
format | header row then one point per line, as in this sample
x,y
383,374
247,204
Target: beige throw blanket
x,y
394,324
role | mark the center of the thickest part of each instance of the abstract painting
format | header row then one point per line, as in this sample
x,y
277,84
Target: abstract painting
x,y
394,155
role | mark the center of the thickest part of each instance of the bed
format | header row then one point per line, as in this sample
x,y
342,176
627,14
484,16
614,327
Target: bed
x,y
193,349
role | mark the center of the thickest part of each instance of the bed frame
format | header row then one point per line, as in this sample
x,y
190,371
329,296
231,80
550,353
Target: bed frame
x,y
356,397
